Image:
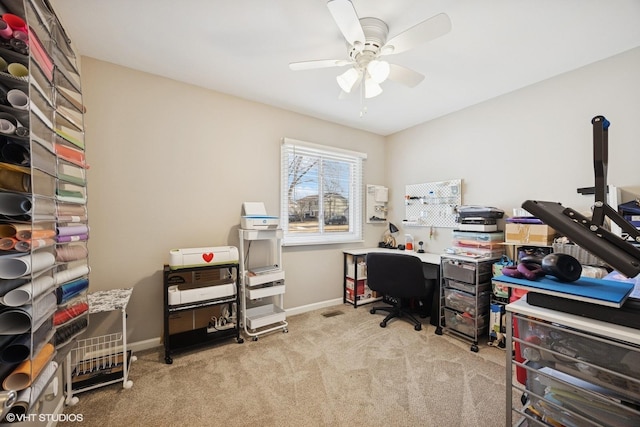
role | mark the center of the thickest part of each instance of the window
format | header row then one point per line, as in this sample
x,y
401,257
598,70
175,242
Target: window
x,y
321,192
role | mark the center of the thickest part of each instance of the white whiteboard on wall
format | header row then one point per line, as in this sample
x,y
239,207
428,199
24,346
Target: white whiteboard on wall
x,y
433,204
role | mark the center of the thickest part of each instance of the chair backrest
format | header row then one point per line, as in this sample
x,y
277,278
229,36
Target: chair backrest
x,y
396,275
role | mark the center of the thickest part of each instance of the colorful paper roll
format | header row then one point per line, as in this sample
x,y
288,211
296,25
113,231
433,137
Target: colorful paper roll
x,y
23,376
69,253
28,245
64,315
72,230
14,180
77,238
64,333
29,233
69,290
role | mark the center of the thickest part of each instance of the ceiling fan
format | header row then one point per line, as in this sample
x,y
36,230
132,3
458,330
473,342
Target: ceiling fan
x,y
366,45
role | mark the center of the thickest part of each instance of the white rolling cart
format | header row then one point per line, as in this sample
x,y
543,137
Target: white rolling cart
x,y
262,284
103,360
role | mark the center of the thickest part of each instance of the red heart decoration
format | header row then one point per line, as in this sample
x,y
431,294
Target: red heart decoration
x,y
207,257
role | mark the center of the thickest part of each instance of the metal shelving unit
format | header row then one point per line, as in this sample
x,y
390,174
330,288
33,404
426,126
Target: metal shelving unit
x,y
262,284
465,292
198,323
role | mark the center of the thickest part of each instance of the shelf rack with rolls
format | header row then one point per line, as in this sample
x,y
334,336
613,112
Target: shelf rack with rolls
x,y
262,283
44,262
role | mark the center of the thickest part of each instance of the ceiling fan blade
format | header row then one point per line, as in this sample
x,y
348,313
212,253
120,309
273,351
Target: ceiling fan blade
x,y
320,63
347,20
404,75
429,29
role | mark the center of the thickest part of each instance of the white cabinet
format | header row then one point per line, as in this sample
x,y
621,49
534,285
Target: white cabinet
x,y
261,282
570,370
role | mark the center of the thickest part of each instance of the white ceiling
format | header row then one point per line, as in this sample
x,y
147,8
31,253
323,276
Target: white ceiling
x,y
243,48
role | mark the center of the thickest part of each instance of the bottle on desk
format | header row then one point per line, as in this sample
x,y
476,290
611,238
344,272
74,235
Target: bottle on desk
x,y
408,242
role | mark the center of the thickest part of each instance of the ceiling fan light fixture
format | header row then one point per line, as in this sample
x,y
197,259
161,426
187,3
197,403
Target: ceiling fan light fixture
x,y
371,88
378,70
348,79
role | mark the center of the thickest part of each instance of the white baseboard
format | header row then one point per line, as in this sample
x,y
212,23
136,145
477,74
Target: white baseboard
x,y
157,342
314,306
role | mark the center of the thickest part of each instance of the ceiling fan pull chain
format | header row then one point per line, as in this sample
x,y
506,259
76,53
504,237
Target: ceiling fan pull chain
x,y
363,107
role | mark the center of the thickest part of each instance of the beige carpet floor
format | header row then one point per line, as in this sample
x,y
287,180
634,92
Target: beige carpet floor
x,y
335,367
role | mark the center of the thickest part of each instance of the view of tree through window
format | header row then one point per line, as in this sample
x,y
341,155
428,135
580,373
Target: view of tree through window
x,y
320,190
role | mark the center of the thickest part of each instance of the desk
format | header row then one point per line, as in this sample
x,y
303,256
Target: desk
x,y
355,274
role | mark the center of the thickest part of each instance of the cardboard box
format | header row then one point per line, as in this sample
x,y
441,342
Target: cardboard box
x,y
189,320
539,234
361,285
180,322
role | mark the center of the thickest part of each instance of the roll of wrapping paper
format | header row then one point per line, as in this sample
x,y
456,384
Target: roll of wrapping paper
x,y
23,376
17,350
8,243
64,315
8,285
14,321
14,267
27,245
14,180
66,209
6,369
15,204
64,333
72,230
69,290
26,293
70,154
39,385
69,253
73,273
15,153
15,22
77,238
29,233
43,307
19,347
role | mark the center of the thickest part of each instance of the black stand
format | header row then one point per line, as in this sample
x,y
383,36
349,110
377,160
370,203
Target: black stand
x,y
590,233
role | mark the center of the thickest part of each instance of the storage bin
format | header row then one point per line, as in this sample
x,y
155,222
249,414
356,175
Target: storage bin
x,y
465,302
467,287
466,271
603,362
465,324
478,236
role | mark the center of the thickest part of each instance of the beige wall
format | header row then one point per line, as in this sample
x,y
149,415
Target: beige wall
x,y
535,143
171,165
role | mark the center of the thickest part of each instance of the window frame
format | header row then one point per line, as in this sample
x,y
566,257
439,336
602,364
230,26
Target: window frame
x,y
355,160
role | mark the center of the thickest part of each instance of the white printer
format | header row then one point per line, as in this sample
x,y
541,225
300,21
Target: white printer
x,y
197,257
255,217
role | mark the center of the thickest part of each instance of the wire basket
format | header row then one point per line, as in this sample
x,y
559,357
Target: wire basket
x,y
98,360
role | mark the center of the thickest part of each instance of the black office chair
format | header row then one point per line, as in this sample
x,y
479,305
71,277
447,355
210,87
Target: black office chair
x,y
400,278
